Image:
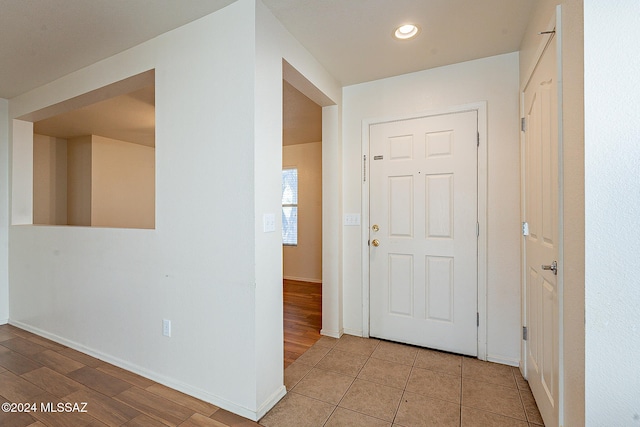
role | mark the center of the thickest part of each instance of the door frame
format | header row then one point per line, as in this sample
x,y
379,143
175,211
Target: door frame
x,y
481,109
554,22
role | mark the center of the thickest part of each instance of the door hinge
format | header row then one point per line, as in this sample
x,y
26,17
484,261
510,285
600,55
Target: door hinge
x,y
477,319
525,228
478,144
523,124
525,333
477,229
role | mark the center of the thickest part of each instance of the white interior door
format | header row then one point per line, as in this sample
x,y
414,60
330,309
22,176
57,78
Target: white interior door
x,y
541,245
423,236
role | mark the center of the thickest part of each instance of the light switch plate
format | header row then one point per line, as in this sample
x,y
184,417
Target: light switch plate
x,y
351,219
269,223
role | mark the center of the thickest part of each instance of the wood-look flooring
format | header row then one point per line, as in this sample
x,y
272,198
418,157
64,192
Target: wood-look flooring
x,y
39,371
302,317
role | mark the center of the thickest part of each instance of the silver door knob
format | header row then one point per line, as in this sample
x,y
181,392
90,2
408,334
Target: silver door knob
x,y
553,267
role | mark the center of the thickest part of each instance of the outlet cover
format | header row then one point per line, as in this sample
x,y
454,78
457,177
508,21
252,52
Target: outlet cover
x,y
269,223
166,327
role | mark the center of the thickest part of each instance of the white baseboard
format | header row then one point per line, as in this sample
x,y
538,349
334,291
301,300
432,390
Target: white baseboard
x,y
302,279
329,333
159,378
4,321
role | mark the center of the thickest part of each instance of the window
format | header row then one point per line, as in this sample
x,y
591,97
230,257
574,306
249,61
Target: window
x,y
290,206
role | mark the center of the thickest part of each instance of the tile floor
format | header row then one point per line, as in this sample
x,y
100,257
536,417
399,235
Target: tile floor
x,y
348,382
366,382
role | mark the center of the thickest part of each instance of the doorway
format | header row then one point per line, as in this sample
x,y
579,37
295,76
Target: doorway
x,y
426,305
542,230
301,222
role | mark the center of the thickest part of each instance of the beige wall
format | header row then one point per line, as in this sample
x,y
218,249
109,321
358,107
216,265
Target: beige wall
x,y
93,181
49,180
79,181
304,261
573,265
122,184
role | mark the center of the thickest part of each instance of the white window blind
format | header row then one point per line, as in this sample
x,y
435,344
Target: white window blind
x,y
290,206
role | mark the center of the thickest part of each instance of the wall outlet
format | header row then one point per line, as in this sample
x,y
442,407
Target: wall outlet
x,y
166,327
269,223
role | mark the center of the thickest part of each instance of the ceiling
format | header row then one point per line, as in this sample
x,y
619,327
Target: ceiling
x,y
42,40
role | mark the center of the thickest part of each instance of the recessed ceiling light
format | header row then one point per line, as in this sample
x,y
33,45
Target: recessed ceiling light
x,y
406,31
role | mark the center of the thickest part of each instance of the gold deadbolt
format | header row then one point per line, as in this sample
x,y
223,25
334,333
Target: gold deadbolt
x,y
375,242
375,227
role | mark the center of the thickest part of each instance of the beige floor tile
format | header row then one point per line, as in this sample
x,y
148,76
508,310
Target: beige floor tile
x,y
376,400
380,371
394,352
294,373
296,410
345,418
435,384
326,341
343,362
492,398
489,372
417,411
530,407
357,345
439,361
324,385
520,381
313,355
476,418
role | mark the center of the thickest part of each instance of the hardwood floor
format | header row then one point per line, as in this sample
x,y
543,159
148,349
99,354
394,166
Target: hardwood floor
x,y
302,317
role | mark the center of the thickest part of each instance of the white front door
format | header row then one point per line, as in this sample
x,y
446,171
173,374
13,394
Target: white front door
x,y
541,245
423,236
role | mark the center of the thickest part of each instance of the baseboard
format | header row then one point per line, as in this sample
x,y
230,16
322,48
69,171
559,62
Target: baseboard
x,y
302,279
271,402
503,360
159,378
329,333
4,321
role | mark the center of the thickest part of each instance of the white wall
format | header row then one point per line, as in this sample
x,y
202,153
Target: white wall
x,y
304,261
4,211
273,43
494,80
573,263
612,208
106,291
123,184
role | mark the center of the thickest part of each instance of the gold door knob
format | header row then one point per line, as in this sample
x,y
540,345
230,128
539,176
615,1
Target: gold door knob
x,y
375,227
375,243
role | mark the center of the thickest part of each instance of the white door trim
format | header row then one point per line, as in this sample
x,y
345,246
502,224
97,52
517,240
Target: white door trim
x,y
481,108
554,22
